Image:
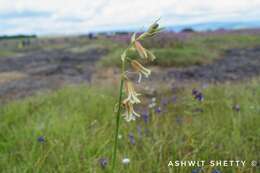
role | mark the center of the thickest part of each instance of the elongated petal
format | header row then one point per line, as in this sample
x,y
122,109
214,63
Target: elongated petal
x,y
140,49
140,68
123,56
139,78
151,56
136,114
133,37
129,113
132,95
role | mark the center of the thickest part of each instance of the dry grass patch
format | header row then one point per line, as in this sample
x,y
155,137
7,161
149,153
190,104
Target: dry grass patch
x,y
10,76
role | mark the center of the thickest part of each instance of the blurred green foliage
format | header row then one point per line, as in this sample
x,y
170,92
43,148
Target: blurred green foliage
x,y
77,126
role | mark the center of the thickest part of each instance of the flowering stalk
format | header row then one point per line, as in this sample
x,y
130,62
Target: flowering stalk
x,y
118,119
132,95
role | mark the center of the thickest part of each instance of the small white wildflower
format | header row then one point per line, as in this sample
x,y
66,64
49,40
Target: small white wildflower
x,y
132,94
152,105
154,99
125,161
119,136
129,114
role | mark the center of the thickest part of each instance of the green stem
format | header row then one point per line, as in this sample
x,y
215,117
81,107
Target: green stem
x,y
118,118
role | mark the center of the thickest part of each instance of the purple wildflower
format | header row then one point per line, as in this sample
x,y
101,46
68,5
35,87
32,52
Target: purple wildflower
x,y
216,171
103,162
41,139
194,91
196,170
197,95
145,116
158,110
131,138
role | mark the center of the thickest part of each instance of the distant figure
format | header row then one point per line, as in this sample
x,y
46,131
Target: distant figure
x,y
91,36
26,42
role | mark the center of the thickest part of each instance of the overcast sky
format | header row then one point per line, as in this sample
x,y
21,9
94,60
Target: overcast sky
x,y
81,16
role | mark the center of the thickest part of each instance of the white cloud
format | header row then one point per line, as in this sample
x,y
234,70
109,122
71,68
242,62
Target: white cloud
x,y
75,16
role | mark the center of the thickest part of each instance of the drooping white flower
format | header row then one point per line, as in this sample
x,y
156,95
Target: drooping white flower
x,y
140,69
129,113
132,95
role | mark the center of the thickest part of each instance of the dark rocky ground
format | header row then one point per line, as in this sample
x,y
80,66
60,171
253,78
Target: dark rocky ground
x,y
47,70
52,70
236,64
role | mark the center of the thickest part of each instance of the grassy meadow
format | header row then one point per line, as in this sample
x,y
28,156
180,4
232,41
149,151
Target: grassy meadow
x,y
71,130
77,126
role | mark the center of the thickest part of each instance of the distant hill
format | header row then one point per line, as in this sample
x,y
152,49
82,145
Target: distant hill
x,y
7,37
196,27
216,25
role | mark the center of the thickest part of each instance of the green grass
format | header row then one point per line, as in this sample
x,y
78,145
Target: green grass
x,y
194,51
78,125
182,57
4,53
71,44
86,48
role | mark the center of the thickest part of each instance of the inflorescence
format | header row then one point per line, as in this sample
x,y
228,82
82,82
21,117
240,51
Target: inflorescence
x,y
135,45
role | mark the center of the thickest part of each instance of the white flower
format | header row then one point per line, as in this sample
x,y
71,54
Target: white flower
x,y
152,105
129,114
132,94
125,161
140,69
